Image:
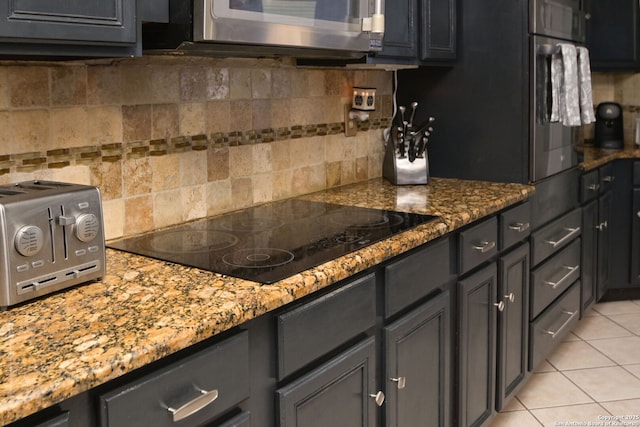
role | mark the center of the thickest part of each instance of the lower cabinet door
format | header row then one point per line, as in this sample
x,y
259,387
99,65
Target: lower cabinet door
x,y
589,256
635,237
604,241
477,315
513,323
340,393
417,366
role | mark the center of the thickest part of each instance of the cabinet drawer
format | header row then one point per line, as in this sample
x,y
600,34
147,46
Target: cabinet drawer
x,y
415,276
515,225
589,186
222,371
636,173
240,420
551,278
478,244
313,329
548,330
554,236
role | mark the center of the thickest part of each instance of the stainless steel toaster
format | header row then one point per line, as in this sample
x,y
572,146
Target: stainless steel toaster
x,y
52,237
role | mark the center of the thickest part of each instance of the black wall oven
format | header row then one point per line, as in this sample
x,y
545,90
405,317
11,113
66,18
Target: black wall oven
x,y
552,22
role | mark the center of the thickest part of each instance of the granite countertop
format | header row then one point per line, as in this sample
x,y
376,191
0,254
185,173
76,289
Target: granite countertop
x,y
143,309
595,157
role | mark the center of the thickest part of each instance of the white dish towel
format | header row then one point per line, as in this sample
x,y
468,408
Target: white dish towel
x,y
572,103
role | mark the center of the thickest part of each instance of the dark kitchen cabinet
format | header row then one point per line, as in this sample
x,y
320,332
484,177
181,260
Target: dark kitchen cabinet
x,y
339,393
69,28
613,34
513,323
419,32
417,367
476,353
635,239
604,243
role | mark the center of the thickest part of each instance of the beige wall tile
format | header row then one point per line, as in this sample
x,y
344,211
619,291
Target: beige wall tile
x,y
194,202
167,208
193,168
103,85
262,185
69,127
261,114
348,171
4,89
30,131
137,176
239,83
218,164
192,118
219,198
165,121
262,159
339,83
165,172
77,174
217,117
280,113
281,155
302,111
281,82
136,84
282,184
138,214
193,83
5,133
113,214
362,168
217,84
136,122
309,179
104,124
29,86
241,115
334,174
108,177
241,161
69,85
260,83
242,191
165,84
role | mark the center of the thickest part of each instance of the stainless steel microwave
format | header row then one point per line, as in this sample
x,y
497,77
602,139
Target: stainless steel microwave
x,y
320,28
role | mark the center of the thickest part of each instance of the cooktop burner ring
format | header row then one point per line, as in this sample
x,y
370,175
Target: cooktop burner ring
x,y
258,258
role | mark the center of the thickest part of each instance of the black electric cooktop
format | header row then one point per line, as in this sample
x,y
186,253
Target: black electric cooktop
x,y
271,242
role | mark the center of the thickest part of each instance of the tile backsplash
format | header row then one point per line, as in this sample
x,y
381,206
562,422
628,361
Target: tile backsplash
x,y
623,88
169,139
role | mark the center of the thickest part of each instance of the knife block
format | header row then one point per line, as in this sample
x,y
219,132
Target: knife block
x,y
399,170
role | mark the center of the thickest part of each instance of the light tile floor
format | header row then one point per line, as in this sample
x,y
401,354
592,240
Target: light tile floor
x,y
590,379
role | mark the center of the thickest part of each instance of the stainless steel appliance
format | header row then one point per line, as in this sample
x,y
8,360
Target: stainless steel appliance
x,y
552,144
304,28
52,238
271,242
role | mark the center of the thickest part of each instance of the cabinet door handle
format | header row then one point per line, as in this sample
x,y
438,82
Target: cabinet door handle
x,y
564,325
565,277
609,178
572,232
500,305
378,397
593,187
510,297
602,226
519,226
401,382
485,246
193,406
638,213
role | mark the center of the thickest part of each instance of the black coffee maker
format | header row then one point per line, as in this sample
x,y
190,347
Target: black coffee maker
x,y
609,131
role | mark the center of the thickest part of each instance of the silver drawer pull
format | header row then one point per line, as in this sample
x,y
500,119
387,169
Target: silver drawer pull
x,y
485,246
519,226
609,178
565,277
500,305
194,406
602,226
572,232
401,382
638,214
510,297
594,187
564,325
378,397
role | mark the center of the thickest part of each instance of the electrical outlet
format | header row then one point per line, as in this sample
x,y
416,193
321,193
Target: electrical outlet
x,y
364,98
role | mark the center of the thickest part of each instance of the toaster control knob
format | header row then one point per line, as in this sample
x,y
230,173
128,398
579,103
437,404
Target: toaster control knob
x,y
29,240
87,227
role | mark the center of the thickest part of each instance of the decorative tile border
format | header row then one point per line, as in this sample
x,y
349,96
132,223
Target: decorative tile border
x,y
114,152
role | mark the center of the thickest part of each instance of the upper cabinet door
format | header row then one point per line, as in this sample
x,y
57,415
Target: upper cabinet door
x,y
105,24
438,30
400,29
613,34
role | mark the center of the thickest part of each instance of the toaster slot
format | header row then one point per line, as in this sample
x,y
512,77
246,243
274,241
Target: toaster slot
x,y
53,236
